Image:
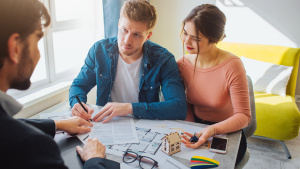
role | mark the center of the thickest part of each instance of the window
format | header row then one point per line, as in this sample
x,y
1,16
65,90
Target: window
x,y
172,149
75,26
172,145
40,71
177,147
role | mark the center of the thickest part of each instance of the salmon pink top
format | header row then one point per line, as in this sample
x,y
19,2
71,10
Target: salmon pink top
x,y
217,94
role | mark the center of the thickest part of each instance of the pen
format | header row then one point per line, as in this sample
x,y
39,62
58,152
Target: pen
x,y
78,100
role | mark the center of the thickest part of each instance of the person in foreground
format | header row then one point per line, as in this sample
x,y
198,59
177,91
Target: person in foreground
x,y
28,143
215,80
130,71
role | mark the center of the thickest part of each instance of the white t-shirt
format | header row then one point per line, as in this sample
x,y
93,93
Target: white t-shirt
x,y
126,86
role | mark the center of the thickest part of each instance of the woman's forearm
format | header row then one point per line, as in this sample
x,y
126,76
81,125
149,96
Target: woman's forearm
x,y
232,124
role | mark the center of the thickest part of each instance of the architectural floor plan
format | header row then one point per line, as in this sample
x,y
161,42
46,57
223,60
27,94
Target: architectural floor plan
x,y
149,142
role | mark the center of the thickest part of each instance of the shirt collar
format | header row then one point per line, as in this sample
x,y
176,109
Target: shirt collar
x,y
146,53
9,104
112,47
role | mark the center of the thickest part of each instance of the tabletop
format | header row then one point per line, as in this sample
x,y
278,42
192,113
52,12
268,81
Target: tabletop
x,y
227,161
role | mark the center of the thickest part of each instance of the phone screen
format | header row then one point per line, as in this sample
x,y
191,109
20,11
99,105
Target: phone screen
x,y
219,144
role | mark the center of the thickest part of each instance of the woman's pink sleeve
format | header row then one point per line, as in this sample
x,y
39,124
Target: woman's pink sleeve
x,y
238,87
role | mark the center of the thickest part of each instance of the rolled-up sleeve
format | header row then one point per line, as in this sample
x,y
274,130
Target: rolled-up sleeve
x,y
85,80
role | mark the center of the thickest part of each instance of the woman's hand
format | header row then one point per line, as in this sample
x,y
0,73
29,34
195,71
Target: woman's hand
x,y
206,133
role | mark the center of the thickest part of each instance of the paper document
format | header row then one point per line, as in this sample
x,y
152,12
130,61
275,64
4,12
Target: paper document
x,y
149,143
119,130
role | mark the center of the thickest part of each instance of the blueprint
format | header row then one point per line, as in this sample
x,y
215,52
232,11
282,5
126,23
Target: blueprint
x,y
149,142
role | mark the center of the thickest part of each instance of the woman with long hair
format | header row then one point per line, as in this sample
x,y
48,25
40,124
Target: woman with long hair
x,y
215,80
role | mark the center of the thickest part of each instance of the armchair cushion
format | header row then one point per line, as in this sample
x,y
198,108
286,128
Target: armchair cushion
x,y
268,77
277,117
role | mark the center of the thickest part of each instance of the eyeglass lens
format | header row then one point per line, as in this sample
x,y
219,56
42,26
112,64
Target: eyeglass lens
x,y
147,163
130,157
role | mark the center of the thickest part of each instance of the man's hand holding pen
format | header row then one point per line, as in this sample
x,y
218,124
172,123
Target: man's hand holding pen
x,y
110,110
77,110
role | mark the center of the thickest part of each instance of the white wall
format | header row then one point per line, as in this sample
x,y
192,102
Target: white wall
x,y
170,14
270,22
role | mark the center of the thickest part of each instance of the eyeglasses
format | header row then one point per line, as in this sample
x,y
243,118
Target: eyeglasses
x,y
144,162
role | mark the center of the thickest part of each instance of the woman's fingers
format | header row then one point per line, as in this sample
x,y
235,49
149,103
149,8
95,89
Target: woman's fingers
x,y
189,134
203,137
186,138
185,142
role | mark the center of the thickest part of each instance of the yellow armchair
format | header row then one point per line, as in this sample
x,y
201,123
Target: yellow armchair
x,y
278,118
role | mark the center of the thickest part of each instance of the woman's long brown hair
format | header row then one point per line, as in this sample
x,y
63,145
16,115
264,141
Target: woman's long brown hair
x,y
210,21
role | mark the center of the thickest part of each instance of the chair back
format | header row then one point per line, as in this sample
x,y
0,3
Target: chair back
x,y
279,55
250,130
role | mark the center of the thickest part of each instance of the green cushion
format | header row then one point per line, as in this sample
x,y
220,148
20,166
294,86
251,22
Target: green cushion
x,y
277,117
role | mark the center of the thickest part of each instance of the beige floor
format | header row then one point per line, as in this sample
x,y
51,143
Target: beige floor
x,y
266,154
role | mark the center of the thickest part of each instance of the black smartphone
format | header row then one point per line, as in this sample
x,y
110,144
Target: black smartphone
x,y
219,145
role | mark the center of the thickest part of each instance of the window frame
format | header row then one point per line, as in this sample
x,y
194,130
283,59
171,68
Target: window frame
x,y
97,26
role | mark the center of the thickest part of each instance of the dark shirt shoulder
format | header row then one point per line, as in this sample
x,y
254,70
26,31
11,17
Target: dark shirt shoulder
x,y
24,145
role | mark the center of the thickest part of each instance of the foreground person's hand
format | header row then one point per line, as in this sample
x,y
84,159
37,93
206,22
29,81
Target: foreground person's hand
x,y
73,125
206,133
92,148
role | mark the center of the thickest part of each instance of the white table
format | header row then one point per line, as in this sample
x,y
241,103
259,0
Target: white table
x,y
227,161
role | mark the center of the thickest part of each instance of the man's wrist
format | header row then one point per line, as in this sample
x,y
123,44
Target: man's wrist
x,y
130,107
101,156
58,124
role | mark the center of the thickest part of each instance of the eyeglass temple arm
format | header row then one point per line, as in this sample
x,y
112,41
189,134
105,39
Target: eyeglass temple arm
x,y
148,161
143,159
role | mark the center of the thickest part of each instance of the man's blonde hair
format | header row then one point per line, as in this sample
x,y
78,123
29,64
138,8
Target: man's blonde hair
x,y
140,11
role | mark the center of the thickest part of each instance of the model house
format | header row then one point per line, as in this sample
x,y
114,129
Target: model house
x,y
171,143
